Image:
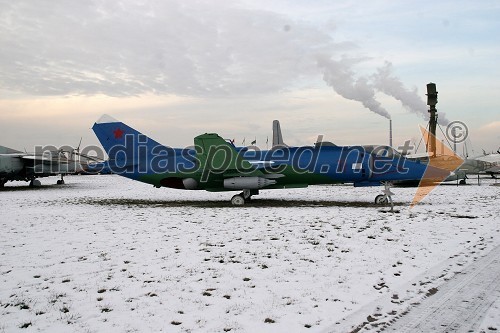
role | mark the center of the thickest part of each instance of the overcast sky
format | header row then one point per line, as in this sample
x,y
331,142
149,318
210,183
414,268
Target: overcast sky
x,y
174,69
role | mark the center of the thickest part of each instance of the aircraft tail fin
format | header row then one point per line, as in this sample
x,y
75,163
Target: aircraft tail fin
x,y
277,136
123,144
7,150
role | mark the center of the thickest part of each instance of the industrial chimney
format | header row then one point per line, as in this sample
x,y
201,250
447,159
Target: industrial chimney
x,y
390,132
432,101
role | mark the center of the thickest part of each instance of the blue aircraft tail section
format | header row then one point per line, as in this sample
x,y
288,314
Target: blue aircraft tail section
x,y
112,132
125,146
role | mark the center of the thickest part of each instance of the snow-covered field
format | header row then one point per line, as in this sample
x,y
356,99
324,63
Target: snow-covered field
x,y
107,254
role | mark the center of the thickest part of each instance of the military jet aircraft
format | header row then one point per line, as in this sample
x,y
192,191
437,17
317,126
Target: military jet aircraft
x,y
16,165
215,164
483,164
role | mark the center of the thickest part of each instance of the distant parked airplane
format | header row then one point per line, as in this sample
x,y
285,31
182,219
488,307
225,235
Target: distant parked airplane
x,y
16,165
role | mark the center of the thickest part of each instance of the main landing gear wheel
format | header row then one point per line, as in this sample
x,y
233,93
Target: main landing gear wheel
x,y
238,200
35,183
381,199
60,182
243,197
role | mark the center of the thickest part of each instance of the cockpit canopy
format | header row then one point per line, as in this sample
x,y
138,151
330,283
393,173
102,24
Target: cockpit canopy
x,y
324,144
382,151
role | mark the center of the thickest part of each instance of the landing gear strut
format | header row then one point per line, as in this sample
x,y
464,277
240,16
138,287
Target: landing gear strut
x,y
386,197
60,181
243,197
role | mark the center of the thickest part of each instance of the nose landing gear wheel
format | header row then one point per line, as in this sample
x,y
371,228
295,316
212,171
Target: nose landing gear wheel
x,y
381,199
385,198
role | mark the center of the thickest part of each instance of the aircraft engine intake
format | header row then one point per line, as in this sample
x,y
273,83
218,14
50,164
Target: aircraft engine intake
x,y
247,183
180,183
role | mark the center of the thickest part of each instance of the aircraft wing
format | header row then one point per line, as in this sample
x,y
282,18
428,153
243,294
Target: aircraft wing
x,y
32,157
491,158
217,157
417,156
40,164
26,157
495,169
38,158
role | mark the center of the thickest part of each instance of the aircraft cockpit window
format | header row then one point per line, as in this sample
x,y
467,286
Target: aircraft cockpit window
x,y
381,152
384,151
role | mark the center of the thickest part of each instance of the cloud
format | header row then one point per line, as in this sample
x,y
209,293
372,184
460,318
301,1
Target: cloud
x,y
493,126
174,47
164,47
491,130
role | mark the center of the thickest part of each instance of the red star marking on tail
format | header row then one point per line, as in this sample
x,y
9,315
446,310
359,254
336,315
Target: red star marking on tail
x,y
118,133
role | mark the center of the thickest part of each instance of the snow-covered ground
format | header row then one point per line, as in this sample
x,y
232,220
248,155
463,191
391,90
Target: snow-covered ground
x,y
107,254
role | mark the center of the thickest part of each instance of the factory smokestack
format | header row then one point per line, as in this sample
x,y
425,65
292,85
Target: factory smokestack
x,y
390,132
432,100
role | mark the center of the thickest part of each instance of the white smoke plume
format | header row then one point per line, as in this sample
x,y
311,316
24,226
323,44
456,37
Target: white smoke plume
x,y
340,76
387,83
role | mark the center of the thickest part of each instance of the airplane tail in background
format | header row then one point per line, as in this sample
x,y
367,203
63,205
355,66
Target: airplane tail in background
x,y
277,137
7,150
